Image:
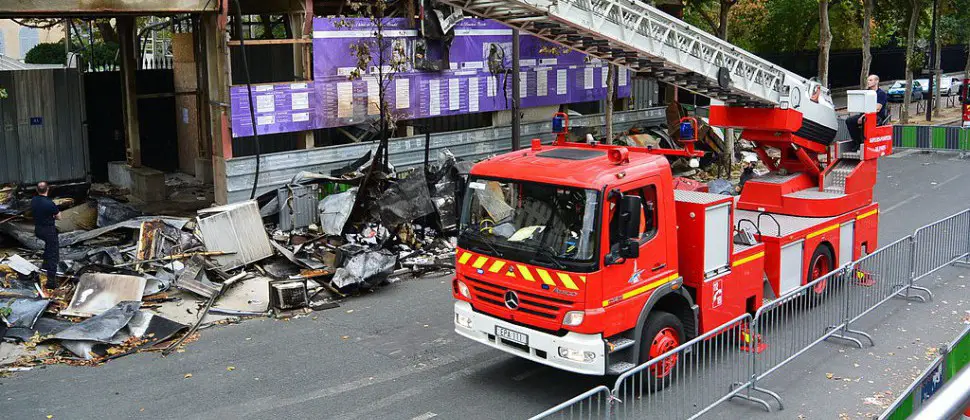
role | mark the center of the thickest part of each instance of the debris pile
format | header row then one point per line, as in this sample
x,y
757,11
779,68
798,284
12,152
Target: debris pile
x,y
131,282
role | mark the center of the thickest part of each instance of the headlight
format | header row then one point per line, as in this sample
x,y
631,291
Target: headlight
x,y
463,321
463,289
573,318
576,355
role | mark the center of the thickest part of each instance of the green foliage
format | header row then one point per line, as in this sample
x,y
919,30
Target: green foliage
x,y
5,311
101,54
46,53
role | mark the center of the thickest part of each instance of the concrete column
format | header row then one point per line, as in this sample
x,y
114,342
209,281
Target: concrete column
x,y
216,59
129,93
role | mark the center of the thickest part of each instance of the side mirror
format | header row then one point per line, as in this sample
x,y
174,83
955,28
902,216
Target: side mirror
x,y
630,210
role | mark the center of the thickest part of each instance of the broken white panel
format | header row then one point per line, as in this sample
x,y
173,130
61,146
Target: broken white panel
x,y
98,292
301,116
542,82
454,94
345,100
562,81
20,265
588,78
523,84
605,70
265,119
473,94
548,61
373,96
300,100
298,86
265,103
621,74
402,93
263,88
236,228
434,100
492,86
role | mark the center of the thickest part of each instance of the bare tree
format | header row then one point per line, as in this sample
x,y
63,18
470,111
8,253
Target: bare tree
x,y
867,8
378,59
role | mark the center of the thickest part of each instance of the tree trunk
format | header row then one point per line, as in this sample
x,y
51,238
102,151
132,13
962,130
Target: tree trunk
x,y
824,42
867,6
725,10
610,92
910,45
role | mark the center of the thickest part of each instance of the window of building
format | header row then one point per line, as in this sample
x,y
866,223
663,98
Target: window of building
x,y
29,38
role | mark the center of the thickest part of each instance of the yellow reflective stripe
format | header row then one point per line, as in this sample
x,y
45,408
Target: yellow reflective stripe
x,y
497,265
510,274
867,214
822,231
583,278
748,259
480,262
546,278
464,258
567,281
525,273
643,289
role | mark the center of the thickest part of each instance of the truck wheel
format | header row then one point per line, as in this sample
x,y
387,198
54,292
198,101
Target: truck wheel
x,y
662,333
822,263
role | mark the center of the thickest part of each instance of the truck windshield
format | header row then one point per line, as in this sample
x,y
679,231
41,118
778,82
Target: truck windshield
x,y
535,221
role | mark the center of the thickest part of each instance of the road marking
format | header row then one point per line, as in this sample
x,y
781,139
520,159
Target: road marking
x,y
276,401
528,373
425,416
390,400
901,203
955,177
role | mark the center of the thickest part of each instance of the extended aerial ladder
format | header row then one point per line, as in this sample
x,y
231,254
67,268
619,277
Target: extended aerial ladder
x,y
770,105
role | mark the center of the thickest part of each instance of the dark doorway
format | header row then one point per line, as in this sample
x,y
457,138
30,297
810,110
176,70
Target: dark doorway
x,y
156,118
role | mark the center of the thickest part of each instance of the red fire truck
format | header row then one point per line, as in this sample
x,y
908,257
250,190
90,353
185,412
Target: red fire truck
x,y
584,257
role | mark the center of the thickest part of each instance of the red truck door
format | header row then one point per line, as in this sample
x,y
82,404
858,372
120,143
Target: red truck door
x,y
636,277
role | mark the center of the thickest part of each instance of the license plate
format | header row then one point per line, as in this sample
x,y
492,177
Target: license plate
x,y
513,336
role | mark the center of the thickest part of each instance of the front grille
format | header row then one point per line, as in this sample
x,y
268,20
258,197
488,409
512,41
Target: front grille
x,y
530,303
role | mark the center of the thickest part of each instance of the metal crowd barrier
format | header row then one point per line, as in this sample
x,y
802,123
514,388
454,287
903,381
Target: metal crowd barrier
x,y
953,359
592,404
730,361
695,374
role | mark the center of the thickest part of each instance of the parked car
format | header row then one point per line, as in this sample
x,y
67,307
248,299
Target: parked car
x,y
898,89
948,85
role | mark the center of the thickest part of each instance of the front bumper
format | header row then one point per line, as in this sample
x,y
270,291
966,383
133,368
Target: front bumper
x,y
542,348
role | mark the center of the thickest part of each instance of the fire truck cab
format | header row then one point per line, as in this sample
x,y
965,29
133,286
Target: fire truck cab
x,y
584,256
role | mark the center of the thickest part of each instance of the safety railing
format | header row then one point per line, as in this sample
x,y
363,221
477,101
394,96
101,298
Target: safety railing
x,y
941,243
592,404
731,361
695,374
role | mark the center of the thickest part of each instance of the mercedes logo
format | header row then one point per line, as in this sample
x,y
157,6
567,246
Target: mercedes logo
x,y
511,300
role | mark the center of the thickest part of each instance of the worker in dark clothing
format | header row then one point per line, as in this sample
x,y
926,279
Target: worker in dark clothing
x,y
855,122
45,212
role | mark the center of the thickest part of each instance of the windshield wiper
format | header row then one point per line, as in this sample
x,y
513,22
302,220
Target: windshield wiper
x,y
549,252
481,239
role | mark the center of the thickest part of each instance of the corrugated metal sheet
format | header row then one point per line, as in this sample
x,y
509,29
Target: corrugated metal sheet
x,y
42,137
277,169
298,206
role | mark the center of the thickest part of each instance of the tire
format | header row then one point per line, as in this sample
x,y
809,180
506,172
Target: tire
x,y
663,332
821,263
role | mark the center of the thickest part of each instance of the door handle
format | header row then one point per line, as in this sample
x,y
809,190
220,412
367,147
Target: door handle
x,y
658,267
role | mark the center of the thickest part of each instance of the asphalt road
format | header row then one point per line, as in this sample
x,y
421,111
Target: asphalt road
x,y
393,354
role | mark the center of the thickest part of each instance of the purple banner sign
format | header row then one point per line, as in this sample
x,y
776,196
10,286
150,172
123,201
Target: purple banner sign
x,y
475,78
